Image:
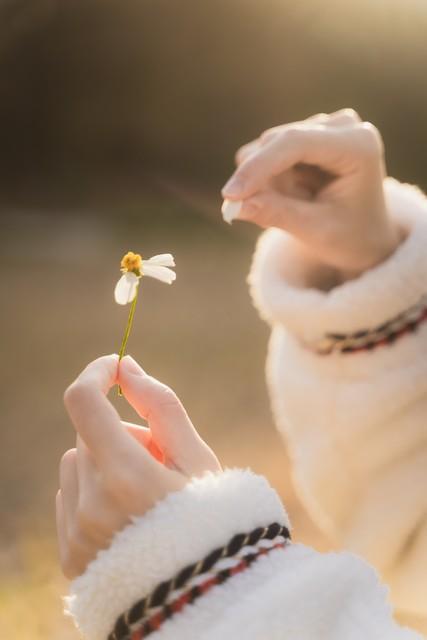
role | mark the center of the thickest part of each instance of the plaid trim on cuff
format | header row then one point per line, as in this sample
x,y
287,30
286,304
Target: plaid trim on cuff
x,y
369,339
170,597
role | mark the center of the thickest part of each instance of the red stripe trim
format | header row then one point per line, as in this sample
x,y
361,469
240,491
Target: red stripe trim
x,y
154,623
384,342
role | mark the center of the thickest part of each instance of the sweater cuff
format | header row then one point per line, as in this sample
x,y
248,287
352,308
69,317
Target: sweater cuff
x,y
178,531
282,294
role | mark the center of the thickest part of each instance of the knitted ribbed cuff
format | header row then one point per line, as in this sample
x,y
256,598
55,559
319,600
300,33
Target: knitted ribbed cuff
x,y
179,531
194,581
378,296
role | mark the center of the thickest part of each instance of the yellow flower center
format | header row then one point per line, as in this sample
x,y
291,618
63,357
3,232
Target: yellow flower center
x,y
131,262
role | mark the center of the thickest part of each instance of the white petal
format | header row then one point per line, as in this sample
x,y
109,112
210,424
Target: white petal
x,y
230,210
160,273
126,287
162,260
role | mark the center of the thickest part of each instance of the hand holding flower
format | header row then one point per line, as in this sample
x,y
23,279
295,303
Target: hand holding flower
x,y
119,470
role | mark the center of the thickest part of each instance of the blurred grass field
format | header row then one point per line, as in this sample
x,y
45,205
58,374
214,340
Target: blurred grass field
x,y
200,336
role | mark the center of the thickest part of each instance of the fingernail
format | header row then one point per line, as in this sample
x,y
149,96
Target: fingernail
x,y
132,366
233,187
230,210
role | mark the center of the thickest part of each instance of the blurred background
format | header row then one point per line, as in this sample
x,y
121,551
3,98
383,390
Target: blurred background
x,y
118,125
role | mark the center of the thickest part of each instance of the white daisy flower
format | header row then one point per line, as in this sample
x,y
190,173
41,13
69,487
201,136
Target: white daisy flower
x,y
133,268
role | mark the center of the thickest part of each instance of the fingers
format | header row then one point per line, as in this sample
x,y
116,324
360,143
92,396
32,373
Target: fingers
x,y
97,514
68,558
269,208
75,549
341,118
170,425
69,484
96,420
334,149
246,150
101,373
61,530
309,144
144,436
115,473
125,465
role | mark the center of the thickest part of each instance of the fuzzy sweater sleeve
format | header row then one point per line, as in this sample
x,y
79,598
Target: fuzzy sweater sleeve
x,y
347,374
288,592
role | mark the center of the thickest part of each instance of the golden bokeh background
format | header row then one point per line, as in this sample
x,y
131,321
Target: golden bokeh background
x,y
118,126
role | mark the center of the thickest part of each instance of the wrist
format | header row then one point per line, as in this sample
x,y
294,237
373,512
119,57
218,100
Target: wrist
x,y
286,291
324,275
380,251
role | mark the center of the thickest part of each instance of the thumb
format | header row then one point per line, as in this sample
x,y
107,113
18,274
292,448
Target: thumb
x,y
270,208
171,428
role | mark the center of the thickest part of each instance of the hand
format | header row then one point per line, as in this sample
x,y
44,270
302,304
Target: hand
x,y
119,470
322,181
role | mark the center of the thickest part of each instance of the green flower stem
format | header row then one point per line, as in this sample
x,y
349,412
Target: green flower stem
x,y
128,329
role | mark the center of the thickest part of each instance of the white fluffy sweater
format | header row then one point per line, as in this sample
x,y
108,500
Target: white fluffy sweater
x,y
356,425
